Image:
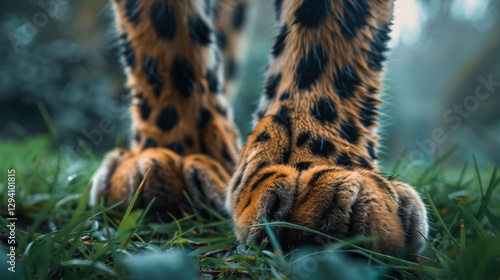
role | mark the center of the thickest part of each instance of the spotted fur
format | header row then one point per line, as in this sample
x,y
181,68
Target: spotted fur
x,y
311,158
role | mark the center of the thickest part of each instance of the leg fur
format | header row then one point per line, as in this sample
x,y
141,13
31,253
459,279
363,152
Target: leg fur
x,y
181,124
311,158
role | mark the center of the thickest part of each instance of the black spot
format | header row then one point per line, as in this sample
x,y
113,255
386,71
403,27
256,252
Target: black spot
x,y
239,16
230,69
324,111
316,176
164,20
278,6
247,203
217,172
150,143
378,48
312,13
285,96
262,178
128,53
213,81
368,112
259,114
383,184
137,137
283,118
144,109
222,111
189,141
204,118
175,147
197,182
303,138
349,131
285,156
238,181
355,13
363,162
322,147
167,119
279,43
226,155
264,136
280,176
199,31
301,166
183,76
132,11
310,67
346,82
271,85
153,75
221,40
257,170
370,147
344,160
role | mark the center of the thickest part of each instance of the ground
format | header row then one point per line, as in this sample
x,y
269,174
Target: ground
x,y
57,235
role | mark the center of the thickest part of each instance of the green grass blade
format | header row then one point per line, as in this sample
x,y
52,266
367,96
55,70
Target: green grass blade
x,y
272,238
82,203
90,264
495,224
136,195
485,200
438,216
478,176
475,223
48,122
462,236
462,174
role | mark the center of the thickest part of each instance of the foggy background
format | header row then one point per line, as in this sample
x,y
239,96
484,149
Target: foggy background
x,y
62,56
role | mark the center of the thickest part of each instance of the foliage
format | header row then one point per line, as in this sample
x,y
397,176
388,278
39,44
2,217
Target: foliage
x,y
60,237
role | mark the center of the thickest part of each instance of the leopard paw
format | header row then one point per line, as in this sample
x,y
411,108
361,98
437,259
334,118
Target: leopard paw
x,y
332,200
166,176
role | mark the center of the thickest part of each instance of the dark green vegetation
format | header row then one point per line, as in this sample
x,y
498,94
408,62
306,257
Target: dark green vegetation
x,y
58,236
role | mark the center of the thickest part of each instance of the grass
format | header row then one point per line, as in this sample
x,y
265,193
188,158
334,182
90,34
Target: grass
x,y
58,236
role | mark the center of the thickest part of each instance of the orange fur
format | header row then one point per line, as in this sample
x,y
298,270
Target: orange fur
x,y
311,159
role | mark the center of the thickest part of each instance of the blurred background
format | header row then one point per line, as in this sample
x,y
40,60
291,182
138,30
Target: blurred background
x,y
60,75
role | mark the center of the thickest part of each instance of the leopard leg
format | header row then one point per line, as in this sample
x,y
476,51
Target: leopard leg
x,y
178,109
311,158
231,17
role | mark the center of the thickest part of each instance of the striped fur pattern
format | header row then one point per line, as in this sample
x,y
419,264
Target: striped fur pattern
x,y
311,158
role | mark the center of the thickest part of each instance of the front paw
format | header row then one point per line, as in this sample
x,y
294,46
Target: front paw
x,y
122,172
332,200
